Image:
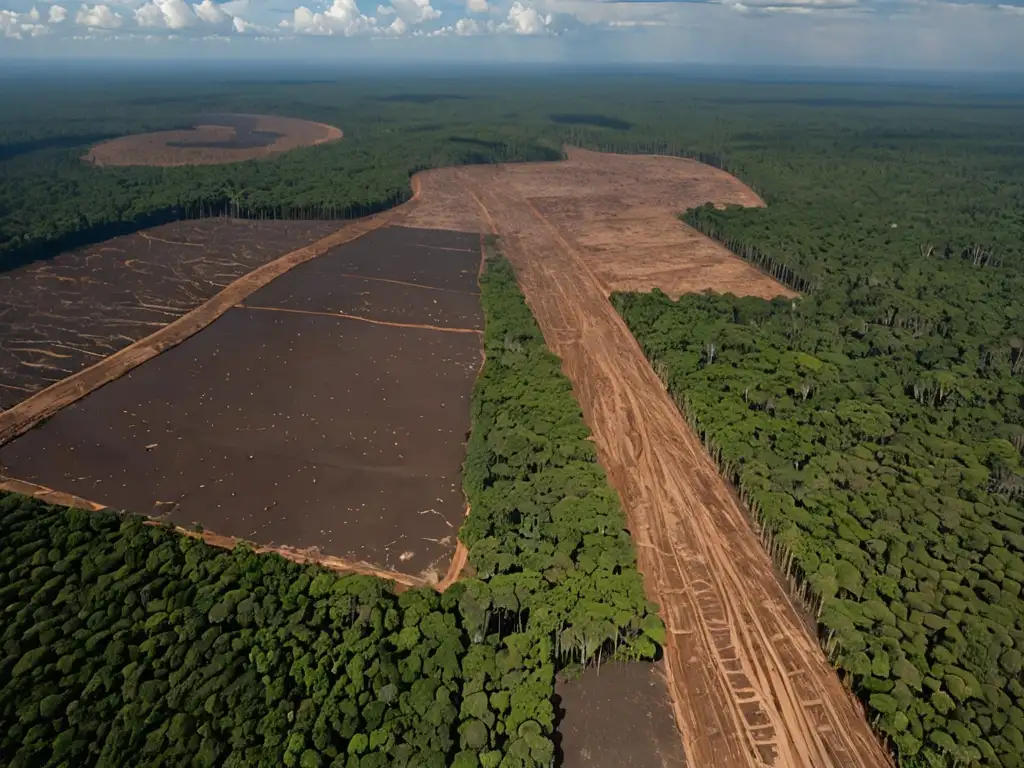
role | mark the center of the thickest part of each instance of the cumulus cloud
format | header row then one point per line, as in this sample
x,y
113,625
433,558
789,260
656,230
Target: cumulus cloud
x,y
470,27
20,25
477,6
385,10
99,16
416,11
342,18
57,14
165,14
211,13
525,20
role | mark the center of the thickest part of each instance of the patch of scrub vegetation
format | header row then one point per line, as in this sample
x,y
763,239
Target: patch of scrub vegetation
x,y
125,643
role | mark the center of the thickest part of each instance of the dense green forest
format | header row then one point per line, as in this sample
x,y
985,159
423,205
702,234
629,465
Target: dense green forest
x,y
875,426
122,643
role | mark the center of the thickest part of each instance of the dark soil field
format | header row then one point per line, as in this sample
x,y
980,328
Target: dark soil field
x,y
215,138
385,276
298,428
617,716
61,315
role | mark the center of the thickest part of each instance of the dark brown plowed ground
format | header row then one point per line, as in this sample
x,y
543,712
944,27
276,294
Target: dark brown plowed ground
x,y
385,276
64,314
617,716
286,428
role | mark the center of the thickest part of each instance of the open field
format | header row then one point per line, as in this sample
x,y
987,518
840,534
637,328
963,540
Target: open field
x,y
619,212
216,138
312,427
618,715
63,314
750,684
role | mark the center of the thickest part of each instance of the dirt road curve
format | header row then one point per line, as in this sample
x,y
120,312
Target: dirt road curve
x,y
750,685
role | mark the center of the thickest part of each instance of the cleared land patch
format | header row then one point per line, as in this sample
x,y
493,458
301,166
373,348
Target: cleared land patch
x,y
618,715
61,315
299,428
216,138
619,212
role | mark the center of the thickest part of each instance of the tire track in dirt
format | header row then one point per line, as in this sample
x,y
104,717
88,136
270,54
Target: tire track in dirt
x,y
750,685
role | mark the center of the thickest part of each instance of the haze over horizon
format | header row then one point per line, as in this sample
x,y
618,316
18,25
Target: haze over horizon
x,y
897,34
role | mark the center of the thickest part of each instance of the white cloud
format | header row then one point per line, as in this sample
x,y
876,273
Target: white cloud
x,y
633,23
477,6
57,14
416,11
99,17
469,27
524,20
397,28
20,25
1017,10
169,14
385,10
243,27
211,13
342,18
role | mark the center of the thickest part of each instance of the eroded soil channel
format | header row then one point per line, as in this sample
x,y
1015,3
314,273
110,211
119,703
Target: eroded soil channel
x,y
328,411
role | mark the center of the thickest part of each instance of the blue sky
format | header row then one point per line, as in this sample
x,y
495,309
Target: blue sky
x,y
913,34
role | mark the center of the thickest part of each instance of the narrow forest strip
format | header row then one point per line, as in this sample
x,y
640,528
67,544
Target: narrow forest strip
x,y
26,414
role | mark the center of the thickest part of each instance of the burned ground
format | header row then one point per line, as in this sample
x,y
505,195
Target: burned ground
x,y
64,314
215,138
299,428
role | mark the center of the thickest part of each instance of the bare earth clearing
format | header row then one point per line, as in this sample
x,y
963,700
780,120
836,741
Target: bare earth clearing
x,y
311,416
618,715
749,684
217,138
61,315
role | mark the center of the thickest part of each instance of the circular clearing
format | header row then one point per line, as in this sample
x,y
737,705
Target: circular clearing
x,y
215,139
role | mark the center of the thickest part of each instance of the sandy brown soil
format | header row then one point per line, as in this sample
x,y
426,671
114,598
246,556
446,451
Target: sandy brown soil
x,y
618,715
61,315
749,682
216,139
618,212
298,428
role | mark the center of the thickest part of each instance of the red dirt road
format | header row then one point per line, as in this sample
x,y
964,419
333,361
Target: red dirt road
x,y
750,685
